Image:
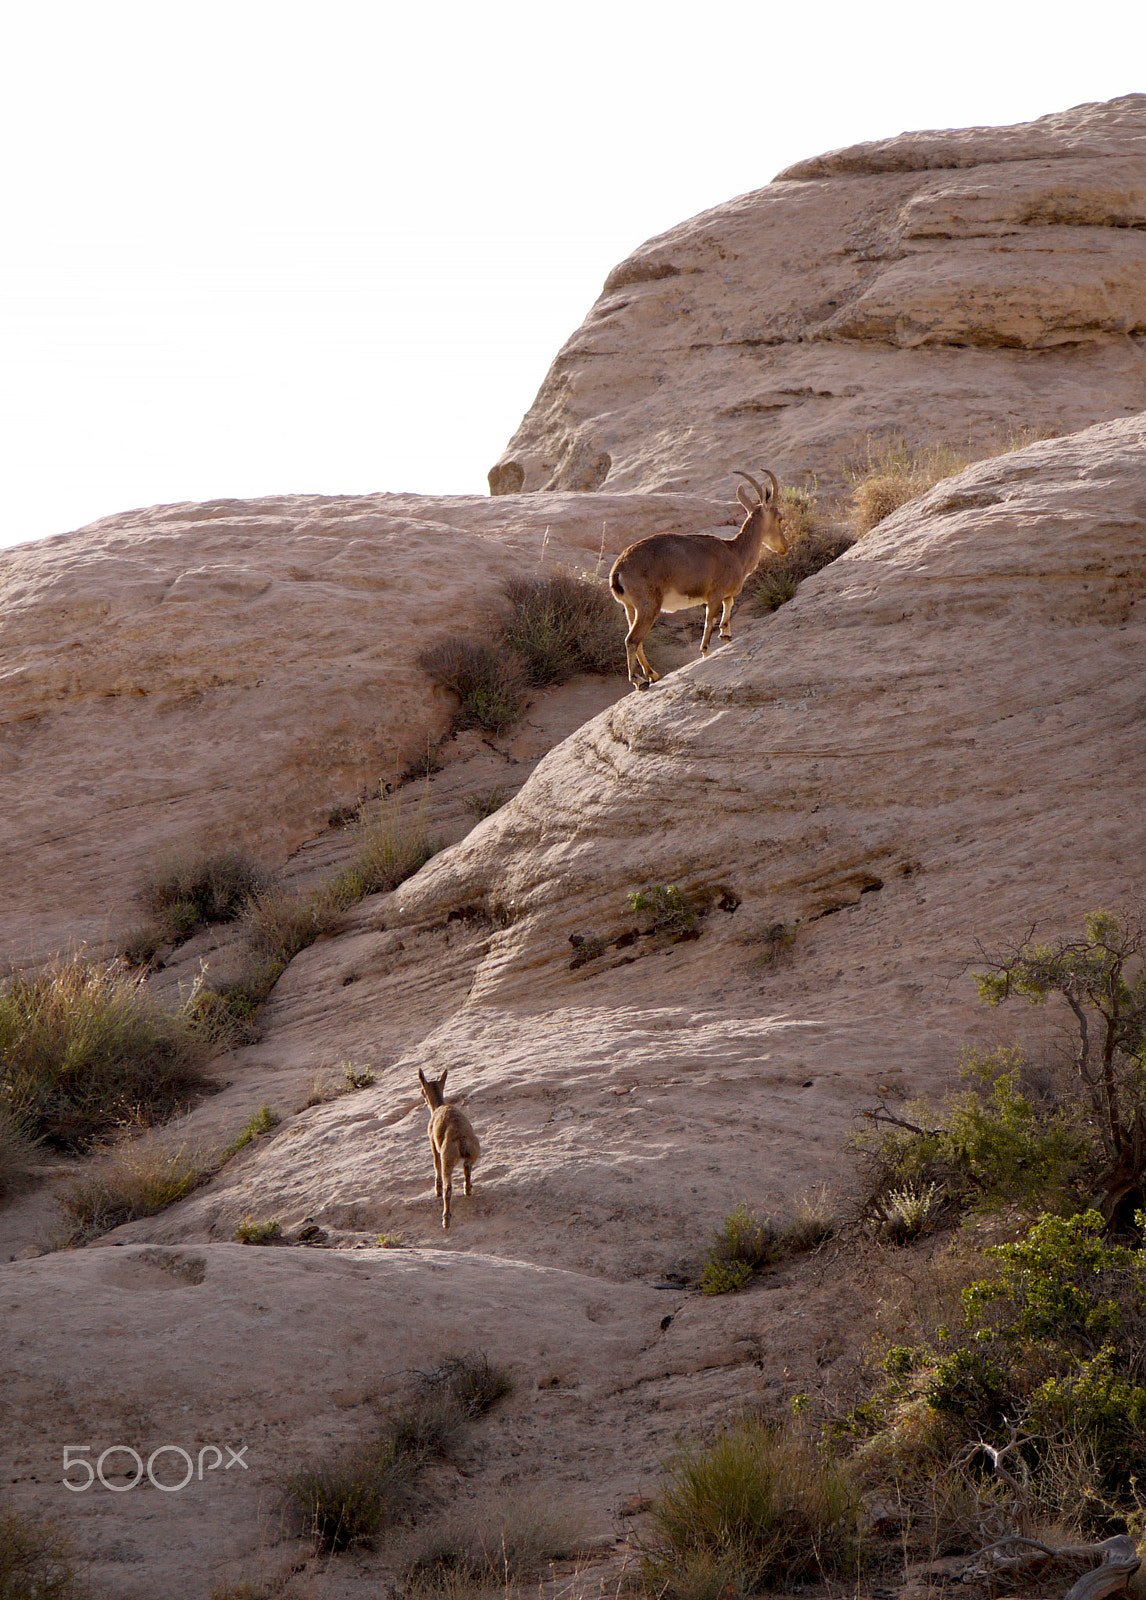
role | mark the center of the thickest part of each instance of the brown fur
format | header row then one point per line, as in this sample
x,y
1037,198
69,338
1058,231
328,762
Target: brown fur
x,y
696,567
452,1139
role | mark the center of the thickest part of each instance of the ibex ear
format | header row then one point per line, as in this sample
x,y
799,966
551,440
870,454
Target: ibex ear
x,y
444,1076
421,1077
744,497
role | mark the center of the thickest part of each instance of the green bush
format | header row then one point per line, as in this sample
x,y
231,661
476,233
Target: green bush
x,y
264,1120
1101,977
758,1508
1051,1359
35,1561
83,1047
671,911
993,1144
187,892
725,1277
252,1230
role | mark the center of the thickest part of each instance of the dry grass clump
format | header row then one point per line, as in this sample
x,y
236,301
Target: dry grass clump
x,y
895,472
473,1380
745,1244
492,1545
83,1048
35,1561
563,624
133,1182
394,845
341,1502
187,892
757,1508
488,680
278,924
17,1153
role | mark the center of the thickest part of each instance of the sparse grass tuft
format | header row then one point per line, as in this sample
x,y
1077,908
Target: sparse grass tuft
x,y
484,803
329,1087
35,1561
126,1184
140,945
754,1510
815,1220
264,1120
17,1153
894,472
562,624
187,892
489,681
393,846
83,1048
725,1277
253,1231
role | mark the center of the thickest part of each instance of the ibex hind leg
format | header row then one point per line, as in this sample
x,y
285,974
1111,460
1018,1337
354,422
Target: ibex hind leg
x,y
447,1197
437,1171
711,612
726,617
467,1169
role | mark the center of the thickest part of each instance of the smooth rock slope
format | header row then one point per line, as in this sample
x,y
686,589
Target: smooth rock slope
x,y
961,285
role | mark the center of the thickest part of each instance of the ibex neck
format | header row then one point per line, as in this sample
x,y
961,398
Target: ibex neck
x,y
749,540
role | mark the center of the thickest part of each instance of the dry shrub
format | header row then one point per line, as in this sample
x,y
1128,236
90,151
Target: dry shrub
x,y
484,802
393,846
777,578
895,472
133,1182
35,1562
186,892
562,624
339,1503
756,1508
474,1381
255,1230
488,680
83,1047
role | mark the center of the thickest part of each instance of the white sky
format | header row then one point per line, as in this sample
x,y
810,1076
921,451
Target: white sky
x,y
261,247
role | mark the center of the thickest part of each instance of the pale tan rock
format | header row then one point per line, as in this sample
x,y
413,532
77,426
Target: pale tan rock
x,y
190,675
960,285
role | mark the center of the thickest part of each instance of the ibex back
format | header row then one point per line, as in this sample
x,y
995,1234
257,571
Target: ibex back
x,y
452,1139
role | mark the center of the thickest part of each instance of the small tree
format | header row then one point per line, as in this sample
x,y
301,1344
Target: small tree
x,y
1102,979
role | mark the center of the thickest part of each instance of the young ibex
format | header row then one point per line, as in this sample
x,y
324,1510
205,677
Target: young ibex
x,y
451,1139
671,571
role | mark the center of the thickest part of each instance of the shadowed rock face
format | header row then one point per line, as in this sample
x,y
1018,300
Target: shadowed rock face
x,y
961,285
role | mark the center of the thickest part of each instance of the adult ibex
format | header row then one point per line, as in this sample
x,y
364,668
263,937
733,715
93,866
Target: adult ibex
x,y
452,1139
671,571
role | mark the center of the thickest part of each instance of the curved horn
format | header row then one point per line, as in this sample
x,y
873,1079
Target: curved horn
x,y
775,485
736,472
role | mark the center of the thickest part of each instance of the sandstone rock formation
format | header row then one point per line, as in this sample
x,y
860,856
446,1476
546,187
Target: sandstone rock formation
x,y
961,285
938,741
229,671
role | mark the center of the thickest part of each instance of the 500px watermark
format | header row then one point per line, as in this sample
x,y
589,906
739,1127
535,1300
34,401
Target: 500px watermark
x,y
210,1459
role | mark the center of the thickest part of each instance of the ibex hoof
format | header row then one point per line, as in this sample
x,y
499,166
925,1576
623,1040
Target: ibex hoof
x,y
643,683
446,1224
